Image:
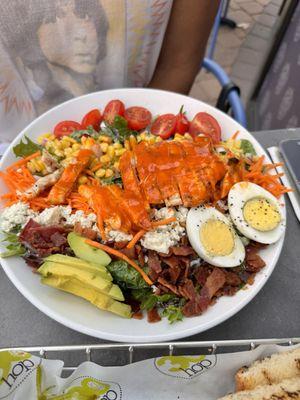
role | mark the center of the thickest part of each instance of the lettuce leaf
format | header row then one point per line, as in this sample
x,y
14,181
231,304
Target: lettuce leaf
x,y
126,276
24,149
90,131
247,147
118,130
14,247
173,313
149,300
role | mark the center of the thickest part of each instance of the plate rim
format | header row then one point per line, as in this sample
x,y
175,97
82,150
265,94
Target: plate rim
x,y
34,300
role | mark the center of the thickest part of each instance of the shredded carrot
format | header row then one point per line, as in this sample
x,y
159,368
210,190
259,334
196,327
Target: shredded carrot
x,y
94,182
235,135
23,161
165,221
268,167
101,226
89,172
258,173
7,196
9,199
39,203
97,166
20,179
122,256
78,202
135,238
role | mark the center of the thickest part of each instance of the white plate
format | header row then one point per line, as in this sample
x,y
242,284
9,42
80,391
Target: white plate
x,y
78,314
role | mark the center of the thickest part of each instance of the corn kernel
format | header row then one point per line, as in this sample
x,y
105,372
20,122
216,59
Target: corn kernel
x,y
68,151
117,146
132,141
59,153
82,179
100,173
41,138
105,159
69,139
152,140
31,168
40,164
105,139
30,165
90,141
58,144
76,146
108,173
119,152
159,139
65,144
104,147
116,165
34,164
111,152
127,145
66,161
143,136
188,136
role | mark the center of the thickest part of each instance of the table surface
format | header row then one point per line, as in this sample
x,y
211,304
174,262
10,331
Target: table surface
x,y
273,313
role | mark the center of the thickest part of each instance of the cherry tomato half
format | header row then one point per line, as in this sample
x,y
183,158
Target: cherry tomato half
x,y
92,118
164,126
137,117
65,128
113,108
207,125
182,124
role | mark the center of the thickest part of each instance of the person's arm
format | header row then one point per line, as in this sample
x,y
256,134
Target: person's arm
x,y
184,44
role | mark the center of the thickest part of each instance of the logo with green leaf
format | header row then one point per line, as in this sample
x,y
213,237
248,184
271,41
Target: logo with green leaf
x,y
185,367
13,365
92,388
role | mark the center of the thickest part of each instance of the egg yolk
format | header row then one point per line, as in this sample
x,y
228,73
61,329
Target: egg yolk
x,y
261,215
217,238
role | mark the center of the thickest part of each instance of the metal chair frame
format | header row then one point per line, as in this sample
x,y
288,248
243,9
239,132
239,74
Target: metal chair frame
x,y
230,94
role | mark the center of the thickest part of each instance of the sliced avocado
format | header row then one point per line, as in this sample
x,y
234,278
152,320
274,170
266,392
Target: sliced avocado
x,y
122,309
68,285
100,300
68,271
87,252
62,259
116,293
88,280
81,264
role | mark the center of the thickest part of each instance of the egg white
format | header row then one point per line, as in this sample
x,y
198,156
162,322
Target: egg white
x,y
199,216
238,195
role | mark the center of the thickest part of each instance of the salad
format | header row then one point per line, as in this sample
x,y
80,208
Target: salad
x,y
139,214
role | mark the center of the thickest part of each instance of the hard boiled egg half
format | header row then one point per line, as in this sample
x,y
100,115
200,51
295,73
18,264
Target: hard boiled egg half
x,y
256,213
213,238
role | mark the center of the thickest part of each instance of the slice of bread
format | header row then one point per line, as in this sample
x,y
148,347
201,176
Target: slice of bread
x,y
288,389
269,370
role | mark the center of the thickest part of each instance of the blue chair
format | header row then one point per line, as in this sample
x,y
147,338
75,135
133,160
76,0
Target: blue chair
x,y
230,94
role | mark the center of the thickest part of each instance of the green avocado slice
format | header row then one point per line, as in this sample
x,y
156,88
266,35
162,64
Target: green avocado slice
x,y
100,300
86,252
80,264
